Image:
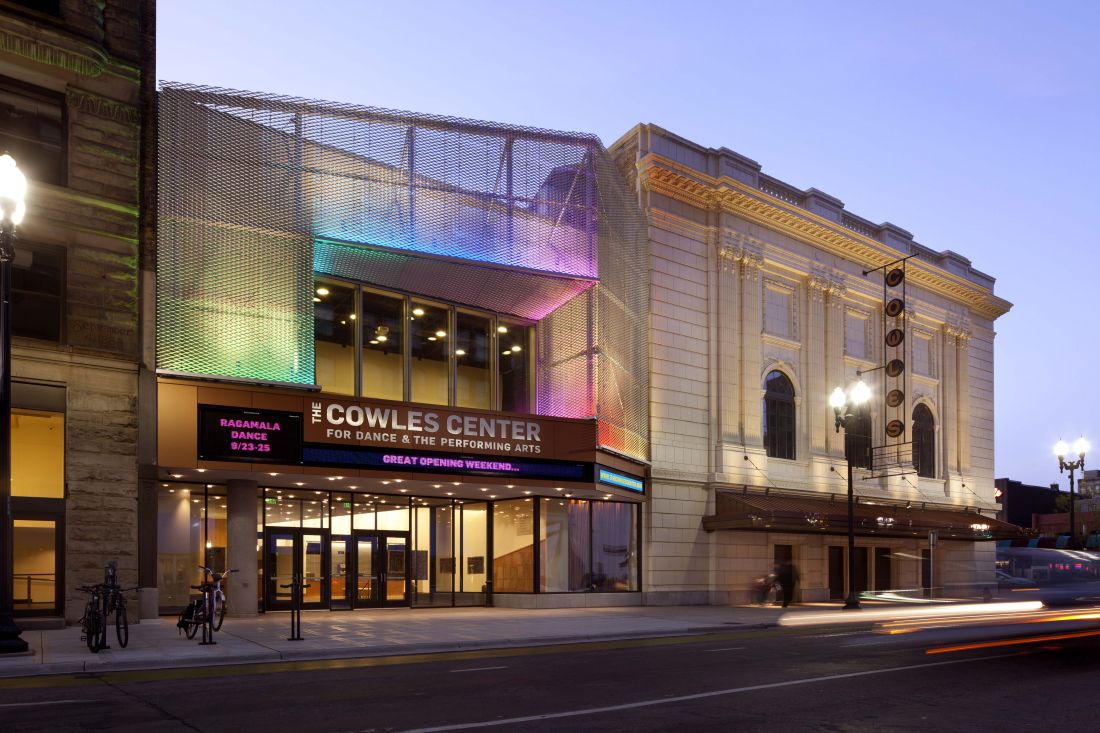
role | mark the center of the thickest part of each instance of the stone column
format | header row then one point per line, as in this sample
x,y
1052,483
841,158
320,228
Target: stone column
x,y
752,389
817,388
949,413
834,355
962,408
241,546
729,344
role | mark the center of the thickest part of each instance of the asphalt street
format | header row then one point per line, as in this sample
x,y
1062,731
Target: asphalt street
x,y
820,679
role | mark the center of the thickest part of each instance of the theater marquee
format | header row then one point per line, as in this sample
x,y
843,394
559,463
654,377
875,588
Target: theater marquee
x,y
415,427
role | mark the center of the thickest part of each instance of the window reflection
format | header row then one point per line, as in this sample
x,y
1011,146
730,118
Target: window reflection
x,y
334,337
429,345
564,542
473,335
514,342
383,346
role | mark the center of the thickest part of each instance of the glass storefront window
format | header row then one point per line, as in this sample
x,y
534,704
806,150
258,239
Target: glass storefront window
x,y
315,510
392,514
180,510
430,337
37,454
473,337
513,547
383,346
363,512
614,546
473,546
334,337
564,545
341,505
214,532
514,344
281,511
34,565
432,558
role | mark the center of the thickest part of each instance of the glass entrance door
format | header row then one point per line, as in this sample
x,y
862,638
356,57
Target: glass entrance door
x,y
296,552
380,569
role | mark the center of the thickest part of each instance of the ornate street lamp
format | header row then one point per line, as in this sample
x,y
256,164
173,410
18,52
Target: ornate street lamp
x,y
1080,447
844,404
13,188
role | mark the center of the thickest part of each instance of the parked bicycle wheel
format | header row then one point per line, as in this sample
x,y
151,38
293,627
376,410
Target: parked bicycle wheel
x,y
122,625
219,612
91,627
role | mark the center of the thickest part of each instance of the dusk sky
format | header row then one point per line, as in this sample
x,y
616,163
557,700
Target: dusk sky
x,y
972,125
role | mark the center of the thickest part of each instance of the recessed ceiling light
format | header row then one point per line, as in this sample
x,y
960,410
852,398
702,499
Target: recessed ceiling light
x,y
557,488
272,474
460,352
398,480
456,483
440,334
492,496
432,338
450,493
201,470
385,483
299,483
322,291
484,489
177,475
402,490
502,329
436,486
418,311
527,492
516,349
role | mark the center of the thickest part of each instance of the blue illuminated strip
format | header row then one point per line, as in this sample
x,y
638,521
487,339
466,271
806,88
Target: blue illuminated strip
x,y
624,482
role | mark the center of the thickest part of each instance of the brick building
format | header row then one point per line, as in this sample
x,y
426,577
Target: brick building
x,y
75,79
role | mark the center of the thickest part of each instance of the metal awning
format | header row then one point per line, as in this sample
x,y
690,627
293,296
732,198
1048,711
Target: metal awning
x,y
776,512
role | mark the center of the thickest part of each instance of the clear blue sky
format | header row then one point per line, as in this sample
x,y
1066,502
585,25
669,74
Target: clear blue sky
x,y
973,125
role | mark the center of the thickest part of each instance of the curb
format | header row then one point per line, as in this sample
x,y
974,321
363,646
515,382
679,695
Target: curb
x,y
95,664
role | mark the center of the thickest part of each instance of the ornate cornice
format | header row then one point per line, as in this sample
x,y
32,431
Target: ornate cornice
x,y
689,186
102,107
78,57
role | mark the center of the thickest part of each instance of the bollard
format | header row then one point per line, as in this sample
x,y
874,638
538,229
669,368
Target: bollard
x,y
297,585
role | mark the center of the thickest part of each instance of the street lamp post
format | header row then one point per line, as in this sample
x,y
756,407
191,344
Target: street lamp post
x,y
1080,447
13,187
843,403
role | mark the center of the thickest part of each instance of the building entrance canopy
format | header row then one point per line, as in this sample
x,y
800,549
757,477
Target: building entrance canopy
x,y
775,512
322,442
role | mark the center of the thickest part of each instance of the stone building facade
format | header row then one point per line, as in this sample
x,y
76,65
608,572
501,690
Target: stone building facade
x,y
75,81
755,282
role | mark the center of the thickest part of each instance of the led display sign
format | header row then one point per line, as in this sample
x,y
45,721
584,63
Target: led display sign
x,y
611,478
398,460
249,436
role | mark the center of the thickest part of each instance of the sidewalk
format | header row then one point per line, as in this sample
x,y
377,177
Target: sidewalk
x,y
156,643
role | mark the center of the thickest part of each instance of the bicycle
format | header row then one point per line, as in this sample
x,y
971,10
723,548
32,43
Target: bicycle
x,y
93,626
115,603
212,604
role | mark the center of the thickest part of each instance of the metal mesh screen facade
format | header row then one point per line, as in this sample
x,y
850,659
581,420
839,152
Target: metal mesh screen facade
x,y
258,192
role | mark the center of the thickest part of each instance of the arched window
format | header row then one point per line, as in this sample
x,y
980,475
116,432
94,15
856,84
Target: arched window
x,y
779,415
924,442
857,437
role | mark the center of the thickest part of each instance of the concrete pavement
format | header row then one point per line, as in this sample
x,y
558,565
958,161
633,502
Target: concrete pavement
x,y
156,643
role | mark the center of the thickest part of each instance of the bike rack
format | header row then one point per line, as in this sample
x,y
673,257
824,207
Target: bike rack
x,y
296,585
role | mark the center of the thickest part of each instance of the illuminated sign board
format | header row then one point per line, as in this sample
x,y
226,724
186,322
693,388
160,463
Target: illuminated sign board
x,y
454,463
249,436
611,478
442,429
